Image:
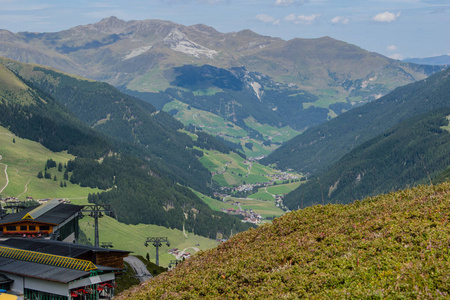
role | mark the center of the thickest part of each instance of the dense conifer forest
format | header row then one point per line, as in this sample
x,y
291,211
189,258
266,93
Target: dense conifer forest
x,y
415,151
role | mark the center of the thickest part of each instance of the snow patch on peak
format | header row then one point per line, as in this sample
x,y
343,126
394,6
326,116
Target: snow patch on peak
x,y
178,41
136,52
257,88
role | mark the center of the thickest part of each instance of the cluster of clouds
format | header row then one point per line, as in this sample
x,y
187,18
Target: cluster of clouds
x,y
394,55
384,17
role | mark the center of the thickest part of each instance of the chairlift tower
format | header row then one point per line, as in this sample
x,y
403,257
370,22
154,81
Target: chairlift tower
x,y
96,211
15,206
157,242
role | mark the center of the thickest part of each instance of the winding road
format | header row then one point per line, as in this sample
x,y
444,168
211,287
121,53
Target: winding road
x,y
139,267
6,175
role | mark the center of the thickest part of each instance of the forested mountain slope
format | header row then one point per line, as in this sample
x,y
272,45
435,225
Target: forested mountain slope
x,y
139,190
413,152
125,118
389,246
319,147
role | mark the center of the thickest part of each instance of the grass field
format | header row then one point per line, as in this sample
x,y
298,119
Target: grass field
x,y
205,120
276,134
216,125
24,159
234,170
132,238
152,81
264,208
268,193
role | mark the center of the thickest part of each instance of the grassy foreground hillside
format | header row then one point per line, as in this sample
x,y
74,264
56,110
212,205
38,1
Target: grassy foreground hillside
x,y
390,246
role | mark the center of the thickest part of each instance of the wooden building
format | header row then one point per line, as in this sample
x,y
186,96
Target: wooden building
x,y
52,219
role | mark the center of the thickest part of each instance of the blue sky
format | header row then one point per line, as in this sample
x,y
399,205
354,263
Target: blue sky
x,y
395,28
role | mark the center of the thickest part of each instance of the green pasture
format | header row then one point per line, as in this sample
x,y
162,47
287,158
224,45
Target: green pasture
x,y
24,159
276,134
262,194
132,238
214,204
268,193
152,81
217,125
207,121
283,188
233,165
264,208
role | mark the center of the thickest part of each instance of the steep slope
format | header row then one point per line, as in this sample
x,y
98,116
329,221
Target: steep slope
x,y
318,148
139,190
390,246
415,151
125,118
297,83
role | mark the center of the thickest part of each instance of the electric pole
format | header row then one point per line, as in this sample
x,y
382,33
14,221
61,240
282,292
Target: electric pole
x,y
96,212
157,242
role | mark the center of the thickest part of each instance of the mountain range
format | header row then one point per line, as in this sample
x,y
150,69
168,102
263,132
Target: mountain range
x,y
435,60
244,80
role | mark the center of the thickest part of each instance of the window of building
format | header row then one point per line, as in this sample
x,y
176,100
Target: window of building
x,y
44,227
23,228
10,228
32,227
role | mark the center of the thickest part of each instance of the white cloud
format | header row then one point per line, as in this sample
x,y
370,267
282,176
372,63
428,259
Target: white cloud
x,y
170,2
396,56
267,19
386,17
302,19
290,17
391,48
340,20
290,2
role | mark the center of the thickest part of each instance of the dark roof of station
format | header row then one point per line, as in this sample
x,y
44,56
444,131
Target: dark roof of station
x,y
53,247
55,215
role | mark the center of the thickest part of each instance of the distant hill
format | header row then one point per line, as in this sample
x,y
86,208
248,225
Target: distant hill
x,y
389,246
242,77
443,60
120,155
413,152
318,148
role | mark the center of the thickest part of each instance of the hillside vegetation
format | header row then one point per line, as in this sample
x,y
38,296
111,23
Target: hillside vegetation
x,y
23,160
390,246
316,149
415,151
